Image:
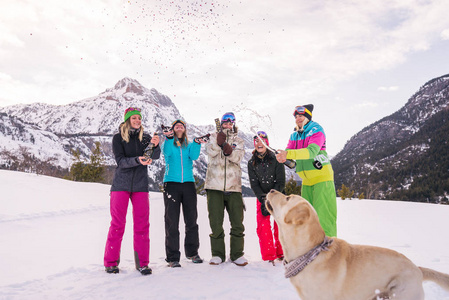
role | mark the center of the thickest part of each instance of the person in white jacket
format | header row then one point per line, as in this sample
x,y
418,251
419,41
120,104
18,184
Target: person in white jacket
x,y
223,185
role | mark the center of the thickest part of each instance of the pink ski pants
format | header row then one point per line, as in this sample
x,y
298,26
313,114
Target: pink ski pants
x,y
268,249
141,216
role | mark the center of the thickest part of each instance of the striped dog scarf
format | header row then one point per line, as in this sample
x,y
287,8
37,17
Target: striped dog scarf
x,y
294,267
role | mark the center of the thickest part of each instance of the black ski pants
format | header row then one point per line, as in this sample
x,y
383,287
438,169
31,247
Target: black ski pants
x,y
175,194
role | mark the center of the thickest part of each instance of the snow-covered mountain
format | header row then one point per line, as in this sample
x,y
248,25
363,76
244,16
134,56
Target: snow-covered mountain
x,y
404,155
49,132
101,114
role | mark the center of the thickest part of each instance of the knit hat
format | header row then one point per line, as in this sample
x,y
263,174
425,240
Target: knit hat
x,y
263,136
130,111
305,110
176,122
228,117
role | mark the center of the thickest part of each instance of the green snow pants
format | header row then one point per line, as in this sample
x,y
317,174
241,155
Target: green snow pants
x,y
323,198
217,202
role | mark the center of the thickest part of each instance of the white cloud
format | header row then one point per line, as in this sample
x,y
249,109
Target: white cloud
x,y
388,88
287,52
363,105
445,34
4,77
289,43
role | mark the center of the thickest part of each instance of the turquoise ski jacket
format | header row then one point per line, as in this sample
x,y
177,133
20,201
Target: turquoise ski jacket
x,y
179,161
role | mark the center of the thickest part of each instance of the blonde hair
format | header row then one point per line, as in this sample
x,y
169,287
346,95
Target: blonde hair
x,y
124,131
306,120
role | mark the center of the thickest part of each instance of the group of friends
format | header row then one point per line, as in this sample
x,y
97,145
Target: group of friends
x,y
223,185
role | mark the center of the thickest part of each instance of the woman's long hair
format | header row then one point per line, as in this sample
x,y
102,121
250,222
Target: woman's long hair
x,y
183,141
124,130
256,157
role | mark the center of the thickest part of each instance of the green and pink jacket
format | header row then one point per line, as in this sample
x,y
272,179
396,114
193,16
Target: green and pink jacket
x,y
308,148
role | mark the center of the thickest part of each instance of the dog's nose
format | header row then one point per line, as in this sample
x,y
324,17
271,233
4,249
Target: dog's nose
x,y
272,190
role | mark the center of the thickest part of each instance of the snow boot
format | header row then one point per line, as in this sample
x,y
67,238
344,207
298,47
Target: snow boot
x,y
196,259
215,260
112,270
145,270
241,261
174,264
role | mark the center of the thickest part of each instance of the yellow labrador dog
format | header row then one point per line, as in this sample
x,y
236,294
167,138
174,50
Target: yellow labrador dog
x,y
332,269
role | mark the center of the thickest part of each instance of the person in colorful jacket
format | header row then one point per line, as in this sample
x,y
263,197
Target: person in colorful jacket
x,y
223,185
307,145
130,182
179,188
266,173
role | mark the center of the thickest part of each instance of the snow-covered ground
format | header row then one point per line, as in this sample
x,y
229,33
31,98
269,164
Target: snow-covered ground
x,y
53,232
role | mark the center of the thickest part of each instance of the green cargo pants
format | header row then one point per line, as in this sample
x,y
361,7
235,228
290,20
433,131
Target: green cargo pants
x,y
217,201
323,198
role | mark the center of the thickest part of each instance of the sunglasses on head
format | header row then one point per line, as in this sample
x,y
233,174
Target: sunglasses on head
x,y
178,121
133,109
262,134
228,118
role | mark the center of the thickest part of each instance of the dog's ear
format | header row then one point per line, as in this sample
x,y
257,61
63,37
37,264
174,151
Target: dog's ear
x,y
298,214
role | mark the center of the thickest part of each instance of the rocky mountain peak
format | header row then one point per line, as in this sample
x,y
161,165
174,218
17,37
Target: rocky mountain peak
x,y
249,120
128,84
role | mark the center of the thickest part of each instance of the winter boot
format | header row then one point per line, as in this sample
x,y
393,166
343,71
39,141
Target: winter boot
x,y
215,260
174,264
112,270
241,261
196,259
145,270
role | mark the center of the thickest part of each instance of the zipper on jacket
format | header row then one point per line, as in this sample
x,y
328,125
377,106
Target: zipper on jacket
x,y
224,187
132,180
303,141
182,166
134,169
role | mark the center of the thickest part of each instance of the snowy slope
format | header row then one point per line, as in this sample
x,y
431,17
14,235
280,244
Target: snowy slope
x,y
53,231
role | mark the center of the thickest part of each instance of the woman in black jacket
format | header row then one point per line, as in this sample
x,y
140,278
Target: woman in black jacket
x,y
266,173
130,182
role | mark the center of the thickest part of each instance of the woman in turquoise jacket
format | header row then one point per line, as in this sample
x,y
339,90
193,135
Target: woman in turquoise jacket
x,y
179,188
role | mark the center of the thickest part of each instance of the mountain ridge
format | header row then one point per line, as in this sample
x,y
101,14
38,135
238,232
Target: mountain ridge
x,y
49,132
394,144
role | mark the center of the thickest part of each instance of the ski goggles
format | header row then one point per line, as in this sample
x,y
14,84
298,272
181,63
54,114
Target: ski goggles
x,y
132,111
176,122
262,134
301,110
228,117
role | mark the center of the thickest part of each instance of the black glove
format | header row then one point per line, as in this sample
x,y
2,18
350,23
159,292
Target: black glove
x,y
263,208
221,138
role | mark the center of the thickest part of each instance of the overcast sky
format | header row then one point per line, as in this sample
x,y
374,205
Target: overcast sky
x,y
356,61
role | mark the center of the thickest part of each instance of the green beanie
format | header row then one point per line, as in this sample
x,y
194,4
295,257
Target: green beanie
x,y
132,111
